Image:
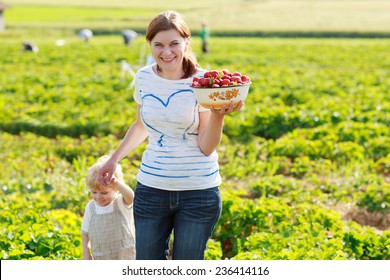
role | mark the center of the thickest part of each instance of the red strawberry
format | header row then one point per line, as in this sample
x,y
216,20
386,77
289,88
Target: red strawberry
x,y
214,73
236,79
225,71
214,78
205,82
226,77
225,82
245,79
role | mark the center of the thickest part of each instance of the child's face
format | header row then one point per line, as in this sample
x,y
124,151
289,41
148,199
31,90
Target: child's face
x,y
103,196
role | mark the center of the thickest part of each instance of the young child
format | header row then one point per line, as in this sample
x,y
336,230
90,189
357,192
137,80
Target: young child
x,y
108,225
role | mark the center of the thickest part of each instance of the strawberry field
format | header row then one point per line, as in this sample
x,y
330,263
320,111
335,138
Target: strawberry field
x,y
305,164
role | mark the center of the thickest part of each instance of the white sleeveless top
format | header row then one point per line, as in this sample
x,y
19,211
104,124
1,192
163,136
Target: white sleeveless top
x,y
172,160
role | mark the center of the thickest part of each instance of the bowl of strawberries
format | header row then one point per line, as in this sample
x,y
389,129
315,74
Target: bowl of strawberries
x,y
216,88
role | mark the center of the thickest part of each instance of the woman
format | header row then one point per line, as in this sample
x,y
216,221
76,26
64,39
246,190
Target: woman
x,y
178,181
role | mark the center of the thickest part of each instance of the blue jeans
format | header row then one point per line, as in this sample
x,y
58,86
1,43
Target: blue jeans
x,y
191,215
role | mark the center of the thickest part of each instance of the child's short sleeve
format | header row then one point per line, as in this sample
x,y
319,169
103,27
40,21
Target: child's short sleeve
x,y
86,218
122,204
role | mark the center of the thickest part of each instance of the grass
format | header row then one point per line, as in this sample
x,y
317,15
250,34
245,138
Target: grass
x,y
238,16
75,85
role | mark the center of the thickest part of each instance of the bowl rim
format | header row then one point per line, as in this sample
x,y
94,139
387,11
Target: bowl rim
x,y
247,84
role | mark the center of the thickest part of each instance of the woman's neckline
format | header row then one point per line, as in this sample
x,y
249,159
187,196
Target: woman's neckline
x,y
160,74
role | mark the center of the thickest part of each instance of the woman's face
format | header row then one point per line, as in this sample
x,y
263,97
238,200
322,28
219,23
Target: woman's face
x,y
103,196
168,49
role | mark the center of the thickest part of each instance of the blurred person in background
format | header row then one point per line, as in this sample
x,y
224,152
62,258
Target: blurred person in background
x,y
205,36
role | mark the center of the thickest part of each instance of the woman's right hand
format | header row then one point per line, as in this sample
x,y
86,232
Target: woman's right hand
x,y
107,171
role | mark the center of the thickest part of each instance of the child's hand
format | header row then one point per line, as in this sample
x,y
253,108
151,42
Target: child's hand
x,y
106,172
113,182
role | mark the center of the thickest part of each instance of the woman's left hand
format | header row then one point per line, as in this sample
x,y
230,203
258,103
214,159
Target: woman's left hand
x,y
227,108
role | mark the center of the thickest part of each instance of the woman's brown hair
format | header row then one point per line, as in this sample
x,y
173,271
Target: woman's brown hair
x,y
172,20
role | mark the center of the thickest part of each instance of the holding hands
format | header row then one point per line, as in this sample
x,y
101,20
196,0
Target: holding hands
x,y
111,176
106,172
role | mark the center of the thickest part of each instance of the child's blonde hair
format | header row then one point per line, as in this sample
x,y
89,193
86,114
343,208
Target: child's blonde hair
x,y
92,179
